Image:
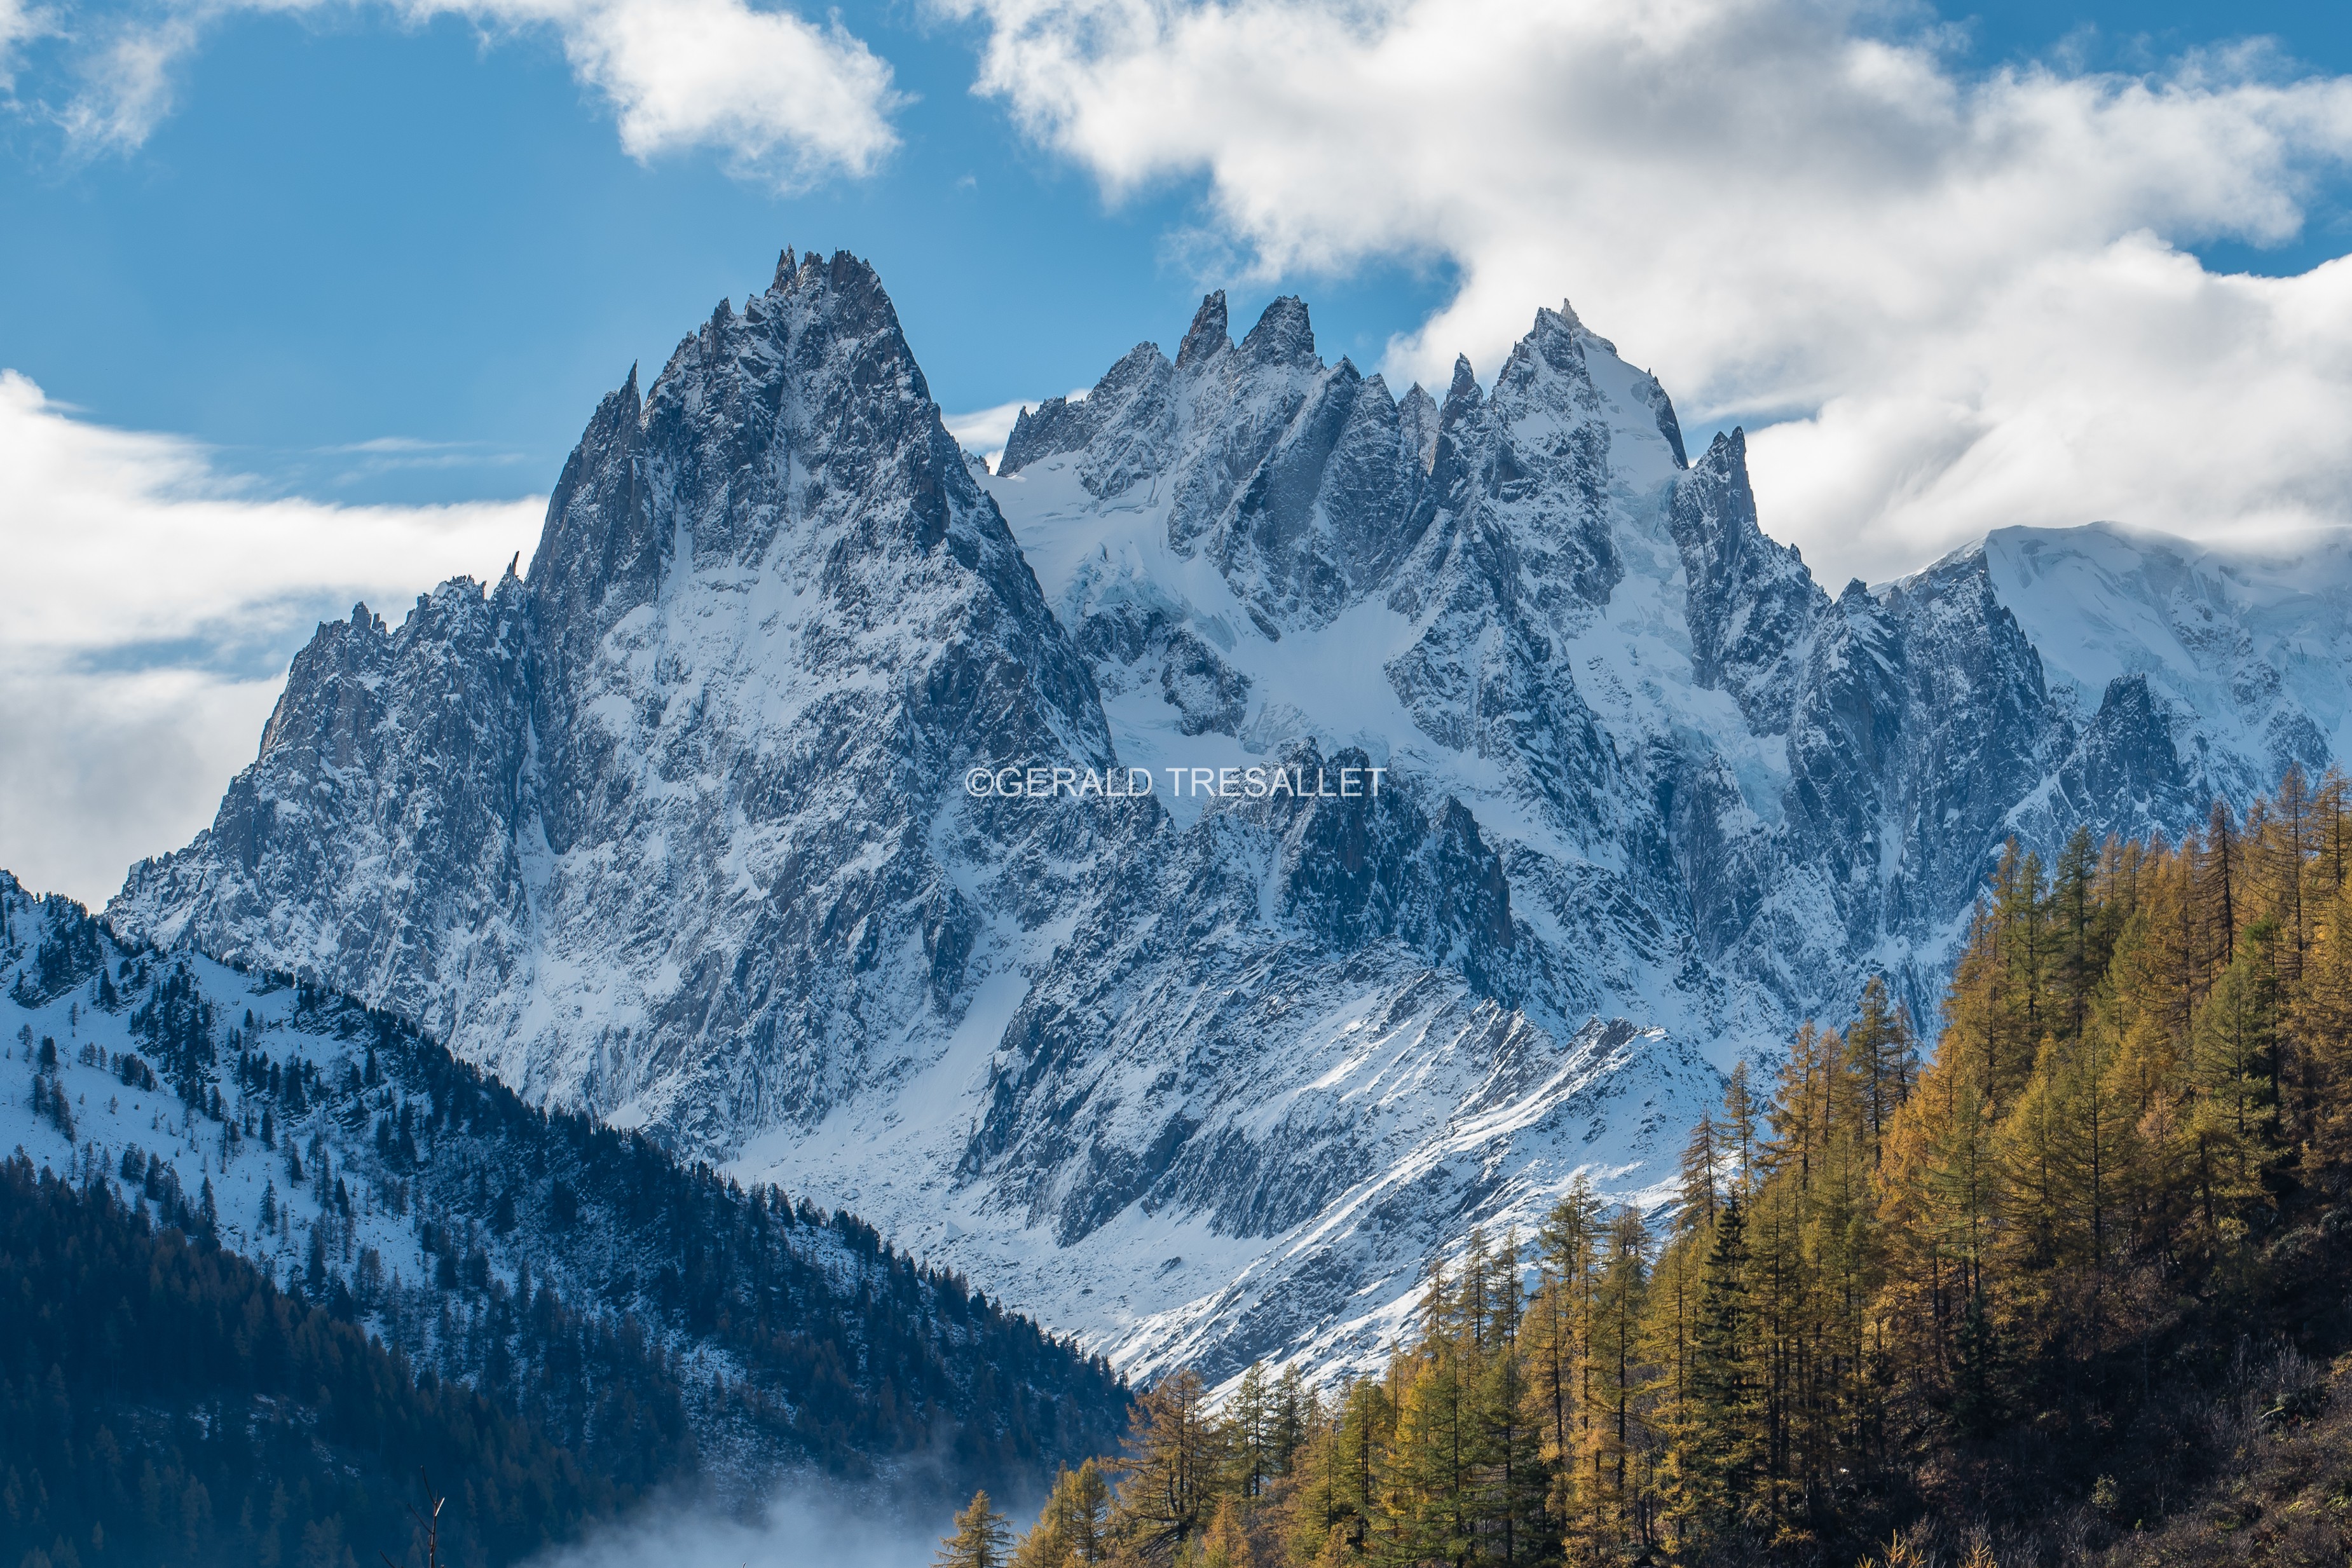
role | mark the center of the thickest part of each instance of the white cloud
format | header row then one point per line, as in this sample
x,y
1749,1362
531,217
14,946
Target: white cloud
x,y
984,430
18,23
157,601
780,96
1966,287
784,99
130,84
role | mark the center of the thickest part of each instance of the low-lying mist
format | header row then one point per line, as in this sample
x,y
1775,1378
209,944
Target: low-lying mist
x,y
804,1526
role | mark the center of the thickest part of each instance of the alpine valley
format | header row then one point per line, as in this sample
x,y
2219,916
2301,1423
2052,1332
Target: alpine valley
x,y
695,829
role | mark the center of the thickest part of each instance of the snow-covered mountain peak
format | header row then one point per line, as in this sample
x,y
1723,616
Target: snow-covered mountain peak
x,y
1206,337
772,616
1463,389
1283,336
789,810
2242,651
1565,374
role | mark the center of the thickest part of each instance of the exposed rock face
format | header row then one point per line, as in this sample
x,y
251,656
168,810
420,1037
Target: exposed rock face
x,y
1751,605
677,827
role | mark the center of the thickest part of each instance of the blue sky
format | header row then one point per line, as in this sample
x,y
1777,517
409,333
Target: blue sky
x,y
304,301
349,230
359,231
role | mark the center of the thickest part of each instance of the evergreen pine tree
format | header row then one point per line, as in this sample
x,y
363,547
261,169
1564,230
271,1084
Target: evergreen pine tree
x,y
1250,1419
1074,1528
1226,1543
1738,1129
1726,1441
1701,1174
2216,878
2229,1132
1882,1060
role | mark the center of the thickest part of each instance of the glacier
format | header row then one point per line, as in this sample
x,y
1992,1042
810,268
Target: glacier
x,y
675,828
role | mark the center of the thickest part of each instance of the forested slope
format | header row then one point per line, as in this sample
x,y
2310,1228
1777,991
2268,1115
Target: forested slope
x,y
161,1401
2075,1289
660,1320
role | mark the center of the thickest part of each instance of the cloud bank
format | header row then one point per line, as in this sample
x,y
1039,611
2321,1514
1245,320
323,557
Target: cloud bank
x,y
157,603
1958,301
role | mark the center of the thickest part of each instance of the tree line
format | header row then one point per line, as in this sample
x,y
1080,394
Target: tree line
x,y
1991,1289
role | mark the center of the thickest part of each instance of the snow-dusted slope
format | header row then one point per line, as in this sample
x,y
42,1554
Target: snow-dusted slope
x,y
1284,1058
2233,663
358,1162
677,829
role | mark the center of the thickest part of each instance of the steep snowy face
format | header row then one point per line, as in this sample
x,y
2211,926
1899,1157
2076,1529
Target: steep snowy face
x,y
758,753
1286,1065
1124,1047
378,837
2192,675
678,829
1485,595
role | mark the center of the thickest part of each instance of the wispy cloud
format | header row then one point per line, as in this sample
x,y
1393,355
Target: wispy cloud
x,y
20,21
785,100
163,597
1973,289
128,81
383,454
402,444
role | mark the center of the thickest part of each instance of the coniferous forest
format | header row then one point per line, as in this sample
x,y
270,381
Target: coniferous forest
x,y
2065,1289
618,1320
161,1401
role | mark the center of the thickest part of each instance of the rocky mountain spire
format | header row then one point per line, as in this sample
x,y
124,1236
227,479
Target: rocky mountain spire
x,y
775,576
1206,339
1282,335
1417,416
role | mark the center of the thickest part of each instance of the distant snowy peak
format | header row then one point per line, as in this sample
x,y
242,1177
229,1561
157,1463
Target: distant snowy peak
x,y
2183,674
2253,643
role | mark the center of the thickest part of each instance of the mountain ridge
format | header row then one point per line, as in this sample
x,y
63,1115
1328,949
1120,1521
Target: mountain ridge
x,y
675,829
667,1326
